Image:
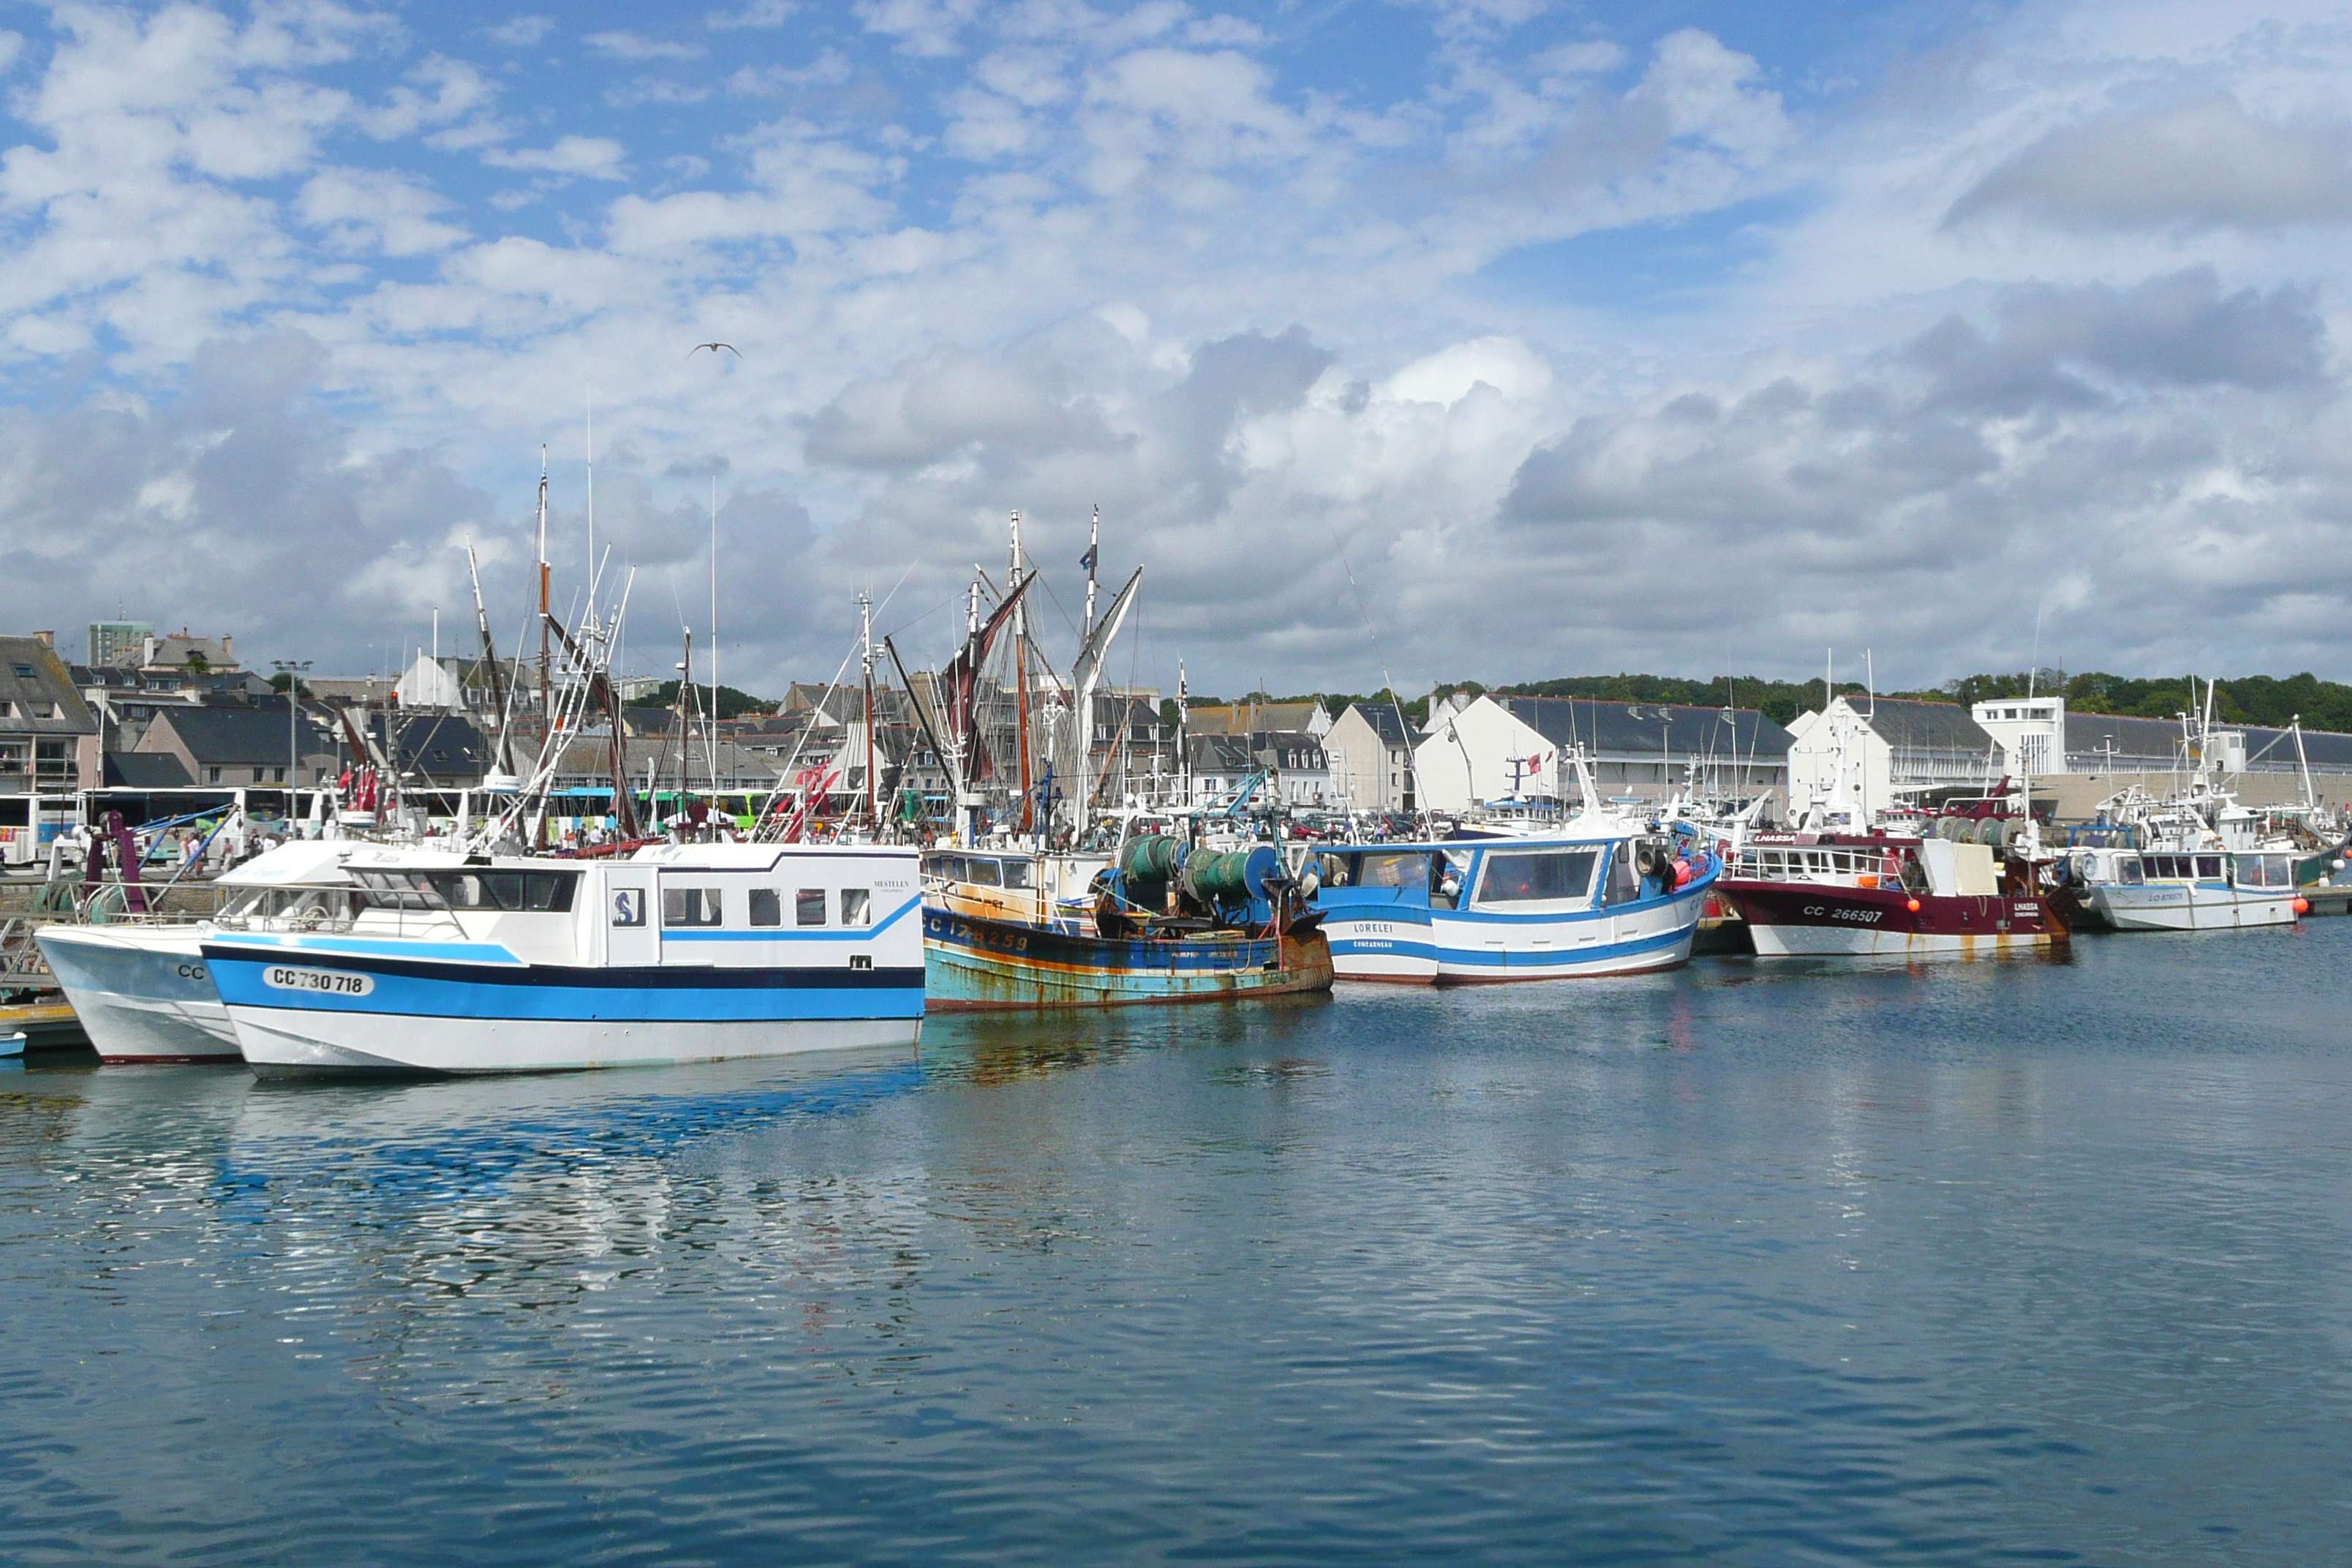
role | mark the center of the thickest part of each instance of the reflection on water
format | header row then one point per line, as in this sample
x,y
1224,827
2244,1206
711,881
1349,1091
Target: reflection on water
x,y
1917,1263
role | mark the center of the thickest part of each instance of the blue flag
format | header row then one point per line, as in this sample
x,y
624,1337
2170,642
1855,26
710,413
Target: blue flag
x,y
1087,562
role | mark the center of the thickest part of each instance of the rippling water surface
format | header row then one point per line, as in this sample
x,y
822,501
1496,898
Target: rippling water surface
x,y
1969,1263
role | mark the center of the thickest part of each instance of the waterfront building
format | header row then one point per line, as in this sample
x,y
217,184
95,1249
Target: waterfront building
x,y
1371,750
1521,748
49,736
2078,759
176,652
1889,750
245,745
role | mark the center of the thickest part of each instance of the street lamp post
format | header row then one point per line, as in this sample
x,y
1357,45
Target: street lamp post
x,y
293,670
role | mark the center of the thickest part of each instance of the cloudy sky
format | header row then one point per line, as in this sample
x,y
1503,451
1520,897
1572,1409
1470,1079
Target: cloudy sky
x,y
1545,339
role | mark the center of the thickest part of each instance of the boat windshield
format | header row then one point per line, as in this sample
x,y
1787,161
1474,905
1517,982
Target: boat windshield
x,y
2266,871
546,892
516,892
1376,868
1530,874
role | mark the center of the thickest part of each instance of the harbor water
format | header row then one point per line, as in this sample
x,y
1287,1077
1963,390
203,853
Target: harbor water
x,y
1962,1263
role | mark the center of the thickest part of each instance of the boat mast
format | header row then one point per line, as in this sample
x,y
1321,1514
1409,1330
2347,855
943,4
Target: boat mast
x,y
873,780
546,659
1086,632
685,708
712,723
1184,744
1020,676
489,660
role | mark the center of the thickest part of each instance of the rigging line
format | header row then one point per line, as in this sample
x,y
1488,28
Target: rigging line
x,y
927,615
1057,609
894,589
1404,730
792,765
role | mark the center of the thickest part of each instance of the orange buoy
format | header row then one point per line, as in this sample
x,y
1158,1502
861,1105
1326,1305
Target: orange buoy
x,y
1913,905
2302,906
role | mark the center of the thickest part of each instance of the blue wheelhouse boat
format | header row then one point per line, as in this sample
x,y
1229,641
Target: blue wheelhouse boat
x,y
1600,896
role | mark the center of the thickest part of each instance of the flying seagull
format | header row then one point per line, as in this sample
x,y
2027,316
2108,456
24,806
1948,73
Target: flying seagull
x,y
714,348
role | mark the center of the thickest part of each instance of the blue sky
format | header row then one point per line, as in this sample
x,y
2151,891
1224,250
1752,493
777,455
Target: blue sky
x,y
1669,337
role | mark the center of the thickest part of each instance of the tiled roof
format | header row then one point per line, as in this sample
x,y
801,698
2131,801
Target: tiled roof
x,y
33,677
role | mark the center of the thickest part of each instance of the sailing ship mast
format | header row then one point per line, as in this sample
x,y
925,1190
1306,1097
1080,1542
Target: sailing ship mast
x,y
1020,676
546,660
490,660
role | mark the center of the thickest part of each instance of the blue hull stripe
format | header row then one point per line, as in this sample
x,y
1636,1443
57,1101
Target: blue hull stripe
x,y
540,992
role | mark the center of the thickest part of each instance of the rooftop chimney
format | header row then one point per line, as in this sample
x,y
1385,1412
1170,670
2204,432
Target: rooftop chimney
x,y
49,639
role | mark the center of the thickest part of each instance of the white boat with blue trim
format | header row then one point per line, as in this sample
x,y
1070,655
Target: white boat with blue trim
x,y
477,963
1600,896
140,988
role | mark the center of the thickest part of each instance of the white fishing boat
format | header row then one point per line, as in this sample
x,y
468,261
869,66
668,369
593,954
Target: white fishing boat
x,y
140,988
2206,889
474,963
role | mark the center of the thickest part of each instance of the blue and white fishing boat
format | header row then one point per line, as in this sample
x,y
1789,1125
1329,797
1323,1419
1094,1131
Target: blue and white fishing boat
x,y
1599,896
448,962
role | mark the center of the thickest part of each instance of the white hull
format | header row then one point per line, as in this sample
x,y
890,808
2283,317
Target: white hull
x,y
1399,952
289,1042
1474,948
140,993
2175,907
1861,941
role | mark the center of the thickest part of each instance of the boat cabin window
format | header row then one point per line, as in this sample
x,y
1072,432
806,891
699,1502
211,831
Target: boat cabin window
x,y
397,891
2127,871
949,867
303,906
2266,871
983,873
1528,876
856,901
808,907
1379,869
691,907
1624,882
534,892
767,907
1016,873
2209,867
